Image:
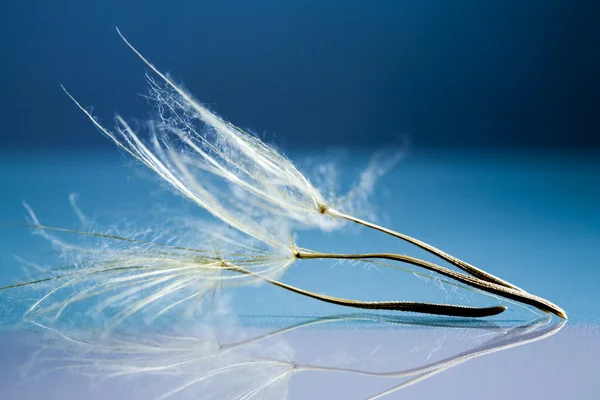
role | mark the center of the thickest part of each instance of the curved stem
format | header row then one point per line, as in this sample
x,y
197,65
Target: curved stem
x,y
431,249
409,306
424,308
480,284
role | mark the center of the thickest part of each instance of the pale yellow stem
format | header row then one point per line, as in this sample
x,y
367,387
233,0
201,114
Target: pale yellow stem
x,y
431,249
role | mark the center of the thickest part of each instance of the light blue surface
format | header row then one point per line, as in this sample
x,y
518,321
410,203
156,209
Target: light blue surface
x,y
533,220
529,219
556,367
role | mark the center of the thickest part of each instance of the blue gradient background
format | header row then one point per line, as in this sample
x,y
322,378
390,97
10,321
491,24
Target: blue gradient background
x,y
354,73
498,100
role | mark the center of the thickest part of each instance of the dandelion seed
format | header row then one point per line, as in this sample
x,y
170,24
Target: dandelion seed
x,y
149,272
190,145
140,275
188,141
227,151
132,275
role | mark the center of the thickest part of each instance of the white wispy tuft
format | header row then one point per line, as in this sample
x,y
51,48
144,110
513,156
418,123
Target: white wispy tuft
x,y
126,276
252,187
189,146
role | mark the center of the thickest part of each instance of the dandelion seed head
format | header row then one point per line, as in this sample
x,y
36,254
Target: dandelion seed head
x,y
259,191
129,276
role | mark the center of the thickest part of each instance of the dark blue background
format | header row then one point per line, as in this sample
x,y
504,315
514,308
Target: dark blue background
x,y
482,74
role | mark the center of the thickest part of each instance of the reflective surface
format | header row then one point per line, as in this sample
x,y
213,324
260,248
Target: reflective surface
x,y
532,220
338,359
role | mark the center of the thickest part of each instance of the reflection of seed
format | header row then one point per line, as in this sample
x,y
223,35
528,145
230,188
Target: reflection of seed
x,y
254,372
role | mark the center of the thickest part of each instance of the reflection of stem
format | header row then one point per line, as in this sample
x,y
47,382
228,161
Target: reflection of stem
x,y
492,345
411,306
477,283
515,338
222,350
403,321
427,247
518,336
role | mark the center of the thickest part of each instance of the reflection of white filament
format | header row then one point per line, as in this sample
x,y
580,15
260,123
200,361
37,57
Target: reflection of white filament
x,y
217,372
180,356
